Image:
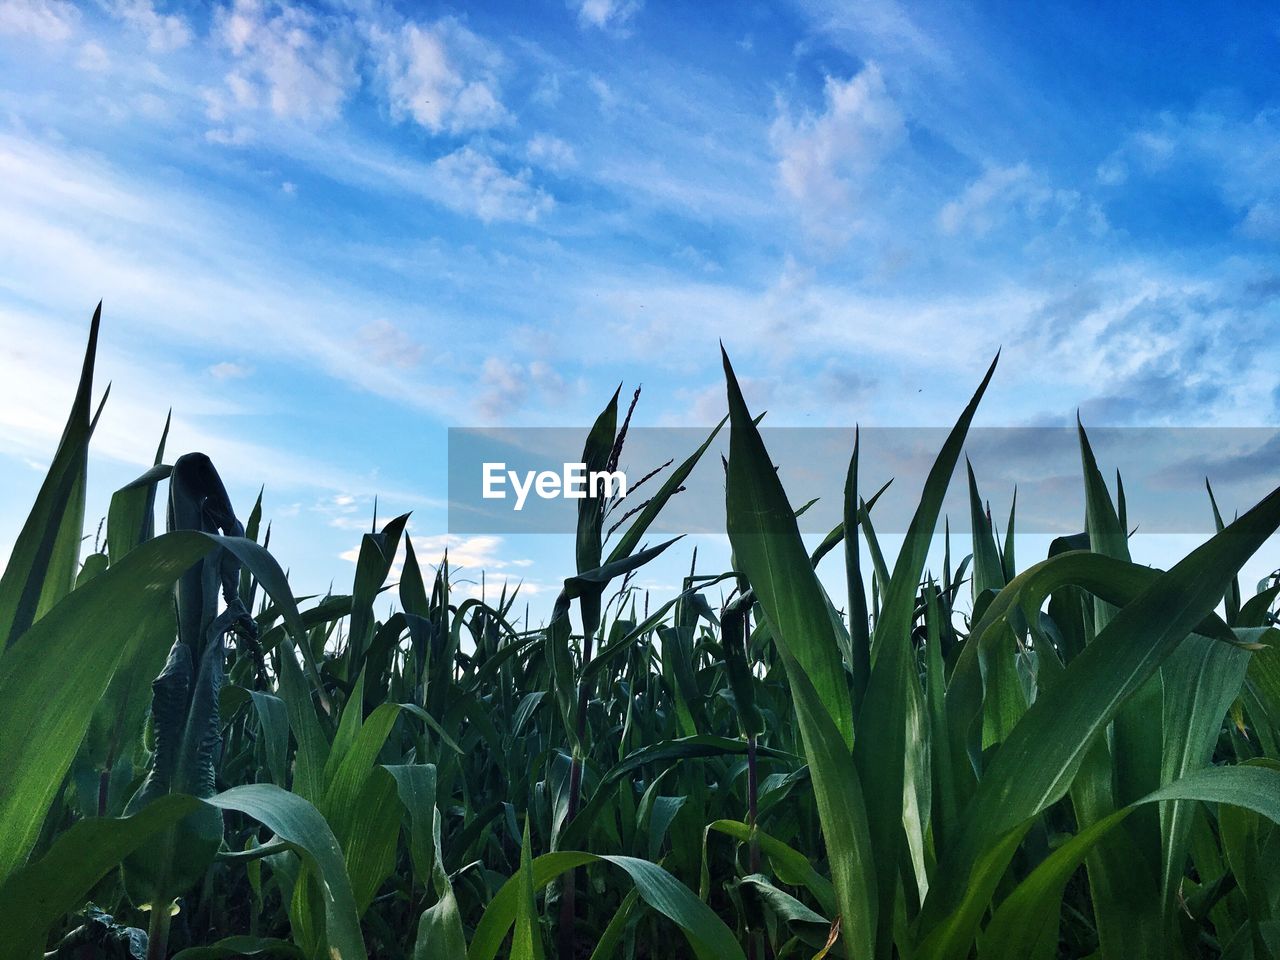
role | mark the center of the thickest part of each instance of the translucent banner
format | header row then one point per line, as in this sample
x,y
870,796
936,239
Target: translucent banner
x,y
533,480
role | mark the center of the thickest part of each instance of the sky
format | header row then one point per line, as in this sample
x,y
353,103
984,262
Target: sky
x,y
326,233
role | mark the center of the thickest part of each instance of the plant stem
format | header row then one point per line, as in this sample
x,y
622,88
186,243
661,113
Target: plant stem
x,y
753,810
158,929
257,853
568,896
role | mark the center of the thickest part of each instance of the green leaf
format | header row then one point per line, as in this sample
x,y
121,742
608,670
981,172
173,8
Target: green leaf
x,y
595,455
1202,678
526,941
791,866
662,754
309,760
1114,581
769,551
1025,927
610,940
893,691
45,558
440,934
67,659
988,572
1130,768
232,948
273,718
361,807
859,624
779,907
40,894
131,516
1037,763
1232,599
636,530
706,933
416,785
377,553
300,825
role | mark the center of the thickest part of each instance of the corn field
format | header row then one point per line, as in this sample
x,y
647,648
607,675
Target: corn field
x,y
1078,757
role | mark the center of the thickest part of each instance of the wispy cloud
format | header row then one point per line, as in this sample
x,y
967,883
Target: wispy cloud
x,y
285,60
551,152
49,21
1002,193
506,385
390,346
40,377
479,566
1235,152
226,370
164,32
470,181
441,75
826,158
606,14
180,266
93,58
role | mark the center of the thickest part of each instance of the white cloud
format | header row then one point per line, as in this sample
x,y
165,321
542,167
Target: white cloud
x,y
1002,193
551,152
441,75
476,552
165,32
344,511
799,323
506,385
492,587
229,371
824,159
389,346
184,268
236,136
288,60
1236,155
885,29
470,181
470,559
1262,222
606,14
978,207
1112,172
93,59
37,381
304,63
49,20
605,94
697,259
547,93
1155,148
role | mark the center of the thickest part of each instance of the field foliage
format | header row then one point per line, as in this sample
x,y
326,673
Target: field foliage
x,y
1075,757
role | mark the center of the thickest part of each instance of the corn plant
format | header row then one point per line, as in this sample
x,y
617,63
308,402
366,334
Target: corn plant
x,y
1079,758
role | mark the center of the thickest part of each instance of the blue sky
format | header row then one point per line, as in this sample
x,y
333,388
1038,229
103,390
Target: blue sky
x,y
325,233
